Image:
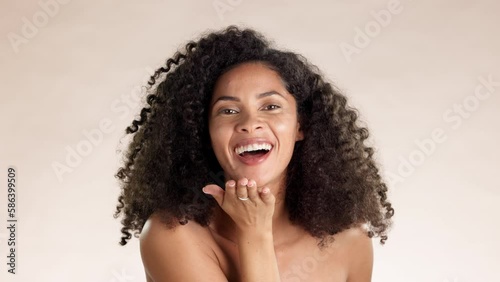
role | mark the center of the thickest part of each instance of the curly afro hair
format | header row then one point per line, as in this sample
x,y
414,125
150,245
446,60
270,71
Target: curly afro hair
x,y
332,180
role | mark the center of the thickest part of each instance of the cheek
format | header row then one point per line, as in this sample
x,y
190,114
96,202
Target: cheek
x,y
285,126
286,130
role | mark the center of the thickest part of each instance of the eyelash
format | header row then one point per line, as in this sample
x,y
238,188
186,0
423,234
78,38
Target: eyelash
x,y
225,111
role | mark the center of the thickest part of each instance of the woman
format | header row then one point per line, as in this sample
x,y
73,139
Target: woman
x,y
248,166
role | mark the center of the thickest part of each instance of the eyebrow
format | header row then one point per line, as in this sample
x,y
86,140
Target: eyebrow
x,y
259,96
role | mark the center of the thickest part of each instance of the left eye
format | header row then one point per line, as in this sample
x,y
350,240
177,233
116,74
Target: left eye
x,y
272,107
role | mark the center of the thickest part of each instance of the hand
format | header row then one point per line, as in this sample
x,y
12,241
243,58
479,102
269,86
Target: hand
x,y
253,214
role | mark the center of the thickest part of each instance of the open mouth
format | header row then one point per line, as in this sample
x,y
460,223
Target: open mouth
x,y
253,154
258,153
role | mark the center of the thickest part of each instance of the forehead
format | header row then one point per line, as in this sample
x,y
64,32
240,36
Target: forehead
x,y
248,79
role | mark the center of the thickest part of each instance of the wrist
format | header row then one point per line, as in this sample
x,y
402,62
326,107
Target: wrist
x,y
254,236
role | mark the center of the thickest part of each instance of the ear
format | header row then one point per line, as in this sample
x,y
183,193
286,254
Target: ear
x,y
300,133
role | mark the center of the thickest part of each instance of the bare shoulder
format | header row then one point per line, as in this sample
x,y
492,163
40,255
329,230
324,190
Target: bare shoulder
x,y
356,237
359,253
169,254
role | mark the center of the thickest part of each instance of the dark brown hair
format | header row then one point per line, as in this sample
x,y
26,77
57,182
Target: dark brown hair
x,y
333,182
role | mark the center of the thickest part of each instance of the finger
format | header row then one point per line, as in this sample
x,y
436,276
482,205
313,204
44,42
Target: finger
x,y
215,191
252,191
230,188
241,188
266,196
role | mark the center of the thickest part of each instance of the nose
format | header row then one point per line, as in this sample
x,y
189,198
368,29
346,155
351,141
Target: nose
x,y
249,123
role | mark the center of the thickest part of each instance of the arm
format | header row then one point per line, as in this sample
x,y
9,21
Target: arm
x,y
253,222
178,254
257,258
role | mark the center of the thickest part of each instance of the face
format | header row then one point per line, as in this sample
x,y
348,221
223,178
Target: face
x,y
253,124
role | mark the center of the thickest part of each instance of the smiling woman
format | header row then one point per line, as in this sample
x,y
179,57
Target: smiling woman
x,y
301,195
256,117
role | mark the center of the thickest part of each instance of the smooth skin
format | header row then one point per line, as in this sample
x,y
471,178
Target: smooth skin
x,y
252,240
253,225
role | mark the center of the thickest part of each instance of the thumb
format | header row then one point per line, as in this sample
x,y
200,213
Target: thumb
x,y
215,191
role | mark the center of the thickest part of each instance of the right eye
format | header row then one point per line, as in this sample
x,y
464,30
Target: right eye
x,y
227,111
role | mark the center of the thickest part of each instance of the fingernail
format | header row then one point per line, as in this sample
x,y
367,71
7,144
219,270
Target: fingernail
x,y
250,183
231,183
203,189
265,190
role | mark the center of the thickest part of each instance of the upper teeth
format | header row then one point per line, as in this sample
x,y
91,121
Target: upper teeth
x,y
253,147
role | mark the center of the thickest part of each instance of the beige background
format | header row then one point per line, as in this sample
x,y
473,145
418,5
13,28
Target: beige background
x,y
75,69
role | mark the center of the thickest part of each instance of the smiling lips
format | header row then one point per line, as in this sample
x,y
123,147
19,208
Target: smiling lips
x,y
253,151
253,147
